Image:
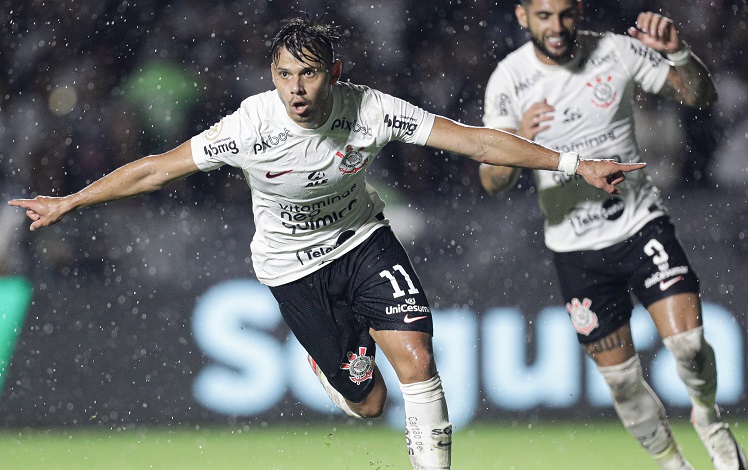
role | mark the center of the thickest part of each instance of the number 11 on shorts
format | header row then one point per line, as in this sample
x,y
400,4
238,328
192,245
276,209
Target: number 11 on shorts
x,y
397,291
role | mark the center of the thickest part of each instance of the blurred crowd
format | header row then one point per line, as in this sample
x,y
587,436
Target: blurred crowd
x,y
88,85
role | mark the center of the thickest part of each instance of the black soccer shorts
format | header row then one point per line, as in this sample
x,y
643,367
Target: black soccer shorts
x,y
331,310
597,284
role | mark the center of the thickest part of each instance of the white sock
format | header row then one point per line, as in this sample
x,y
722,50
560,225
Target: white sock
x,y
639,409
697,368
427,428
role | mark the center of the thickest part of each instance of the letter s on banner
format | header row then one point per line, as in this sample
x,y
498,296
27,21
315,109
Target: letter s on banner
x,y
233,324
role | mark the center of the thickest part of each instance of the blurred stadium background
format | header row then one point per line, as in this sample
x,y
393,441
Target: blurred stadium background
x,y
142,318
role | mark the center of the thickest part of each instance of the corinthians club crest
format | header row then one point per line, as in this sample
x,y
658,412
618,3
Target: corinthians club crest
x,y
583,319
603,93
352,161
359,366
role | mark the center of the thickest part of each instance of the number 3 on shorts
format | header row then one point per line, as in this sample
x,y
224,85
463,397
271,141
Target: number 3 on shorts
x,y
397,292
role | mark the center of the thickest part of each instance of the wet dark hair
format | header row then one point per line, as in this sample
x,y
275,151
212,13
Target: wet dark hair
x,y
307,40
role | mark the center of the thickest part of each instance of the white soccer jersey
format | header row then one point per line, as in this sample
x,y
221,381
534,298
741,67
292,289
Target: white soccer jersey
x,y
310,199
592,96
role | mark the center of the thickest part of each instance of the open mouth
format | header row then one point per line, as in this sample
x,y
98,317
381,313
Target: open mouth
x,y
558,42
299,107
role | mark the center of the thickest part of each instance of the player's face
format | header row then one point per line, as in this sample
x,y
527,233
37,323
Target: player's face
x,y
552,27
305,88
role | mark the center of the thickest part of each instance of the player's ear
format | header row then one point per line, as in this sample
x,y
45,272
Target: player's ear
x,y
521,14
337,70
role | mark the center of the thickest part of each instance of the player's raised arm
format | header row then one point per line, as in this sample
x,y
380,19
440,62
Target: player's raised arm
x,y
496,147
688,80
141,176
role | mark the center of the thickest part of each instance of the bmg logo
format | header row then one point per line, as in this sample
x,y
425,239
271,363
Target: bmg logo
x,y
405,123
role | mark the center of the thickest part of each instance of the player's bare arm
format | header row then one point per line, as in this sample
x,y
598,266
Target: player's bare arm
x,y
495,147
497,179
141,176
688,81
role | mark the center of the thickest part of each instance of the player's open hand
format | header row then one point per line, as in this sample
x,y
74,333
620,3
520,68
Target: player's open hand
x,y
535,119
606,174
657,32
43,210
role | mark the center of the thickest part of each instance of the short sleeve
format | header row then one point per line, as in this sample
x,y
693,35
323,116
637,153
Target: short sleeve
x,y
647,66
499,103
402,121
221,144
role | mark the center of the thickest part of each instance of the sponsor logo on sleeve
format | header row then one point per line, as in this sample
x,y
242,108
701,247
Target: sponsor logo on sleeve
x,y
214,132
226,145
406,123
651,55
502,104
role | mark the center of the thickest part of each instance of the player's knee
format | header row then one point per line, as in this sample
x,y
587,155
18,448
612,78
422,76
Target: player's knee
x,y
623,379
417,367
688,346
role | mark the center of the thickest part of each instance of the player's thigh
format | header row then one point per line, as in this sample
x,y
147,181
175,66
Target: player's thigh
x,y
389,297
676,314
327,329
410,353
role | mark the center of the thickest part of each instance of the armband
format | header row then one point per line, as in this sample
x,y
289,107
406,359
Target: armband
x,y
680,57
568,163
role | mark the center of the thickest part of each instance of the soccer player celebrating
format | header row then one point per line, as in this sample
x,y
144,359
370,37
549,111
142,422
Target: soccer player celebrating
x,y
322,242
573,91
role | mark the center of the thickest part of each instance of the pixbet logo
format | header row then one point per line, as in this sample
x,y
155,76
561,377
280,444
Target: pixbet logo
x,y
271,141
352,126
405,123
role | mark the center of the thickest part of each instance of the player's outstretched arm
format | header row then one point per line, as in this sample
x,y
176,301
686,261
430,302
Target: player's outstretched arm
x,y
141,176
496,147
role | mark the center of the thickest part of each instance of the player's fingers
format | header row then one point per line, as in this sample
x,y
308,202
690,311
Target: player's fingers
x,y
632,166
643,22
545,117
611,188
18,202
616,178
32,215
663,27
